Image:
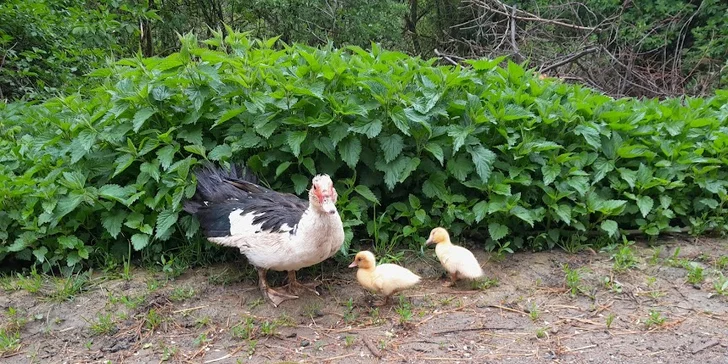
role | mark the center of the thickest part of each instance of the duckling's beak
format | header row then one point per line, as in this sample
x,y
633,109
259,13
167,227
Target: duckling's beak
x,y
353,264
429,242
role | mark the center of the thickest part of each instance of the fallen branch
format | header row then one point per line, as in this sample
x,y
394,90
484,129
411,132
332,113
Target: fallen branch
x,y
189,309
508,309
446,57
581,348
371,348
339,357
707,345
475,329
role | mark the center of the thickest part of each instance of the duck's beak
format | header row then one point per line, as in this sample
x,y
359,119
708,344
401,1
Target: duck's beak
x,y
353,264
429,242
328,206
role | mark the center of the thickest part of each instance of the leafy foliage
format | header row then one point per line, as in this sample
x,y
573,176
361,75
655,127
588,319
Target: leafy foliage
x,y
47,45
492,152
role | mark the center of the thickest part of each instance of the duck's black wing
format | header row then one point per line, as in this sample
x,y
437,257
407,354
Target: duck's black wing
x,y
220,193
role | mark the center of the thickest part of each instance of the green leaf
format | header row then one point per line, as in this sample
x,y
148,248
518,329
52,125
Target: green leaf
x,y
72,259
74,180
300,183
483,159
421,216
40,254
231,113
458,135
350,149
139,241
400,120
610,227
644,175
166,156
612,207
112,222
67,204
117,193
70,242
122,163
550,172
310,166
590,134
196,149
391,145
152,169
434,186
436,151
460,167
141,116
523,214
337,132
601,167
563,212
165,220
414,201
497,231
481,210
370,129
645,204
580,184
365,192
220,152
86,138
282,168
628,176
295,139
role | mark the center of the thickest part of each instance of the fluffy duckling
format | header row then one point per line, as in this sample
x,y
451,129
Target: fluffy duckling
x,y
386,279
457,261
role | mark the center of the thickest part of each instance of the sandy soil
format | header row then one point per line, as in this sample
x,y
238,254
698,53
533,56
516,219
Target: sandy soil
x,y
215,315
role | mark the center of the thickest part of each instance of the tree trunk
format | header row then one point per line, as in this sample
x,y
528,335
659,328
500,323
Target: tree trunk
x,y
147,44
411,25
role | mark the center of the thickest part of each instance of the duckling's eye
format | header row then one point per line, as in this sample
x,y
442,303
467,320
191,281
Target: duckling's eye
x,y
315,187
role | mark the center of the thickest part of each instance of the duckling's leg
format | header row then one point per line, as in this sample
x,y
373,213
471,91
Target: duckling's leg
x,y
294,286
275,297
453,277
382,302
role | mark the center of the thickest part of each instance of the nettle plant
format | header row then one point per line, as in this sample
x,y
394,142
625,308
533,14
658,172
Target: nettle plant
x,y
492,153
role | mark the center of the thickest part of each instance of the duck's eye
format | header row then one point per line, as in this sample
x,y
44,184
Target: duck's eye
x,y
315,187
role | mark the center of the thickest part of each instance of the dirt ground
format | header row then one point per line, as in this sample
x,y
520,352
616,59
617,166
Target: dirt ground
x,y
524,313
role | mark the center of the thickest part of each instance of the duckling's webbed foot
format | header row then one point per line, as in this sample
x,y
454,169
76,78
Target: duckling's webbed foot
x,y
296,287
273,296
452,282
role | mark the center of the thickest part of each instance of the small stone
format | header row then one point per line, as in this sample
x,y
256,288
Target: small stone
x,y
305,343
291,335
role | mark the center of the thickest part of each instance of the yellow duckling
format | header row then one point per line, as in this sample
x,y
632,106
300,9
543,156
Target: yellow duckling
x,y
456,260
386,279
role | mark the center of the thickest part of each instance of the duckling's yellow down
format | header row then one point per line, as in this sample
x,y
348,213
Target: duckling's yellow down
x,y
385,279
456,260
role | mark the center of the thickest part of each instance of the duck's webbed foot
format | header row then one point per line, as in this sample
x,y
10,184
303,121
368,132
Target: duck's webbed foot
x,y
296,287
273,296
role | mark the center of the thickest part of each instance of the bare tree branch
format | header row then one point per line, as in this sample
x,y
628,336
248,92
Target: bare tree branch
x,y
570,58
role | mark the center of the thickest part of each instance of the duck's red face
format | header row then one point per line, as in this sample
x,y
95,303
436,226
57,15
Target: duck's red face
x,y
324,193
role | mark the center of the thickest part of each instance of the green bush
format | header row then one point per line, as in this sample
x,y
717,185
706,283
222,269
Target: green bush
x,y
47,45
492,152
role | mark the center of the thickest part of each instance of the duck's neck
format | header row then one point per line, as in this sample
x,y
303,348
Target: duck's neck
x,y
316,225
